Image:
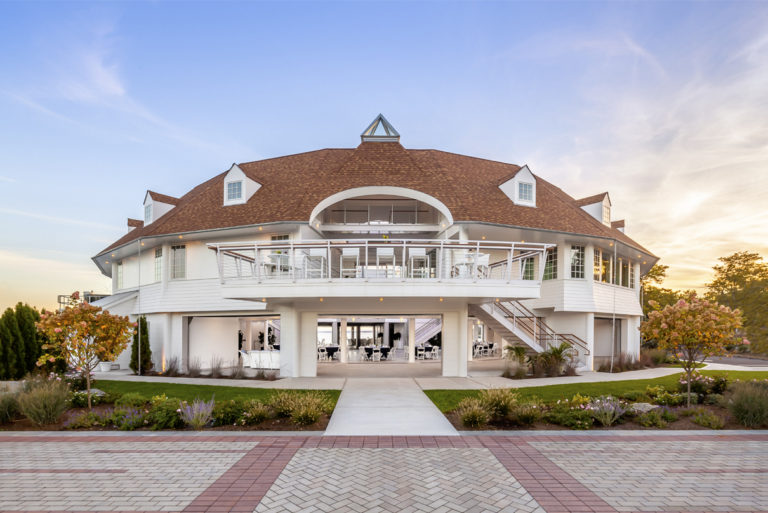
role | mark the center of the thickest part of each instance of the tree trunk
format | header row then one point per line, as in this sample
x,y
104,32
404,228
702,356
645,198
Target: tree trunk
x,y
88,387
689,389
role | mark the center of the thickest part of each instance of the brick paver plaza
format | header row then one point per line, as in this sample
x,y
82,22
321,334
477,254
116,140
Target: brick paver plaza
x,y
247,473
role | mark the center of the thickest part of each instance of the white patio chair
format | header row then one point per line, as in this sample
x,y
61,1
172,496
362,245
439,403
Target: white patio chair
x,y
322,354
418,255
384,255
349,255
483,265
435,353
420,353
376,354
315,262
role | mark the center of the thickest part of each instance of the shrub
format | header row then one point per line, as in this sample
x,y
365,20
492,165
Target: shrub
x,y
238,371
80,399
748,403
9,407
193,367
654,391
89,419
499,402
700,385
227,413
690,412
719,385
171,367
129,418
473,413
714,400
652,418
309,407
709,420
76,381
606,410
669,399
657,356
198,414
164,413
216,364
44,402
571,413
526,413
131,400
667,414
282,403
265,375
635,396
254,412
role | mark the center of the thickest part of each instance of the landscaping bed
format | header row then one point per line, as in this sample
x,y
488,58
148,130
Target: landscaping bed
x,y
54,404
719,400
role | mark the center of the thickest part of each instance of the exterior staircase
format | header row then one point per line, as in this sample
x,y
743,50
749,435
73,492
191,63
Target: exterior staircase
x,y
520,326
426,329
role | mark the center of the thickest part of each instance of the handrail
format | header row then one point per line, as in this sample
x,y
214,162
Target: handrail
x,y
545,332
443,259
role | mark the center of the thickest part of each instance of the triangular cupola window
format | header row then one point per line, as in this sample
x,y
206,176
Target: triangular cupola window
x,y
380,130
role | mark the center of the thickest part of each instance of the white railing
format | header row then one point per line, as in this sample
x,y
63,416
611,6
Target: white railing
x,y
380,260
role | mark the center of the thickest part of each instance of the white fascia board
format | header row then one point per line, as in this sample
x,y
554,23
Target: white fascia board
x,y
511,187
235,174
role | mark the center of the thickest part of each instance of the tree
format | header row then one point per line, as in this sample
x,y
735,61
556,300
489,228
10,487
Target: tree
x,y
741,281
650,284
7,358
14,345
693,329
26,318
83,334
143,343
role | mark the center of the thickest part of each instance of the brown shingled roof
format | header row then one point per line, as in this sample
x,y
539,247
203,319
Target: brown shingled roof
x,y
589,200
135,223
617,224
295,184
163,198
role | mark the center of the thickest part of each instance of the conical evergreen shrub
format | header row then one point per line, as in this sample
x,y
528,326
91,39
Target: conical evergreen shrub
x,y
146,352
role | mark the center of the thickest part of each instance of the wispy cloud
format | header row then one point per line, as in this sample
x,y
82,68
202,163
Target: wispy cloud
x,y
7,179
686,167
57,219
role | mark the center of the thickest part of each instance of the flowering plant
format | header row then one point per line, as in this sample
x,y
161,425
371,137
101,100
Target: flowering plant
x,y
198,414
607,409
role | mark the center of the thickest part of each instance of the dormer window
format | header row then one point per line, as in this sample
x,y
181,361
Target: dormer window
x,y
148,214
525,192
606,214
238,188
234,191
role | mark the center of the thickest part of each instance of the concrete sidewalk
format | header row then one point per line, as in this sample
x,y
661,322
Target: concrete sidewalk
x,y
386,406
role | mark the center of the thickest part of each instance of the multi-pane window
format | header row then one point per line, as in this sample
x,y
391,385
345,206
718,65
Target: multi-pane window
x,y
577,261
147,214
606,214
526,270
280,237
119,275
525,191
234,191
607,269
598,265
631,276
158,264
550,266
178,262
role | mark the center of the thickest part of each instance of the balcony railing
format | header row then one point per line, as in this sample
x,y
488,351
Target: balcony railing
x,y
380,260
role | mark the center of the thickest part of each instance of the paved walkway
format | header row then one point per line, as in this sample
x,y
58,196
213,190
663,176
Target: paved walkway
x,y
386,406
534,471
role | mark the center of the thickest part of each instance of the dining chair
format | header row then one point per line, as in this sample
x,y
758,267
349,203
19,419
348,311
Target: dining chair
x,y
435,353
420,353
385,255
376,354
315,262
322,354
349,255
418,255
482,269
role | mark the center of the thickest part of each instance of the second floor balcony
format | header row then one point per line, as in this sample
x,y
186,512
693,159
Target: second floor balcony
x,y
431,264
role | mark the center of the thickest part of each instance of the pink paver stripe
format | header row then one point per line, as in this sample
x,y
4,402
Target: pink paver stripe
x,y
165,451
63,471
718,471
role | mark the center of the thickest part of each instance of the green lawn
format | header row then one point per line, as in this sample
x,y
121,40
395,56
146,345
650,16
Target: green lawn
x,y
190,392
447,400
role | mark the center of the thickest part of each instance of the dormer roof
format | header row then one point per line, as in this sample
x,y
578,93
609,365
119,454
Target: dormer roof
x,y
135,223
162,198
591,200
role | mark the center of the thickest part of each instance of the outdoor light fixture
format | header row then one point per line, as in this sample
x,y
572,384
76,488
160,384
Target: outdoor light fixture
x,y
113,255
483,237
261,228
106,261
497,300
321,300
263,300
441,300
381,299
181,236
611,244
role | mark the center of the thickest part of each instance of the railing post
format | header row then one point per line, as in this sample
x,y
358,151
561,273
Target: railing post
x,y
292,260
510,257
221,264
328,258
403,270
365,270
258,262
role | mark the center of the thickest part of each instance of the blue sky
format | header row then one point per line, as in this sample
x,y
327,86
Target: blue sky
x,y
663,104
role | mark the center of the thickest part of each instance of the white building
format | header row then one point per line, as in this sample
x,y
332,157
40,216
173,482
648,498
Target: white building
x,y
296,258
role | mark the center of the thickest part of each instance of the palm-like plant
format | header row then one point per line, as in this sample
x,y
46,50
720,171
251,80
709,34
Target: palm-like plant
x,y
516,353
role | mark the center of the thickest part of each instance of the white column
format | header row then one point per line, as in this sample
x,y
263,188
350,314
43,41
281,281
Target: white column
x,y
308,345
411,339
334,333
385,339
290,332
343,341
589,331
471,338
455,343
